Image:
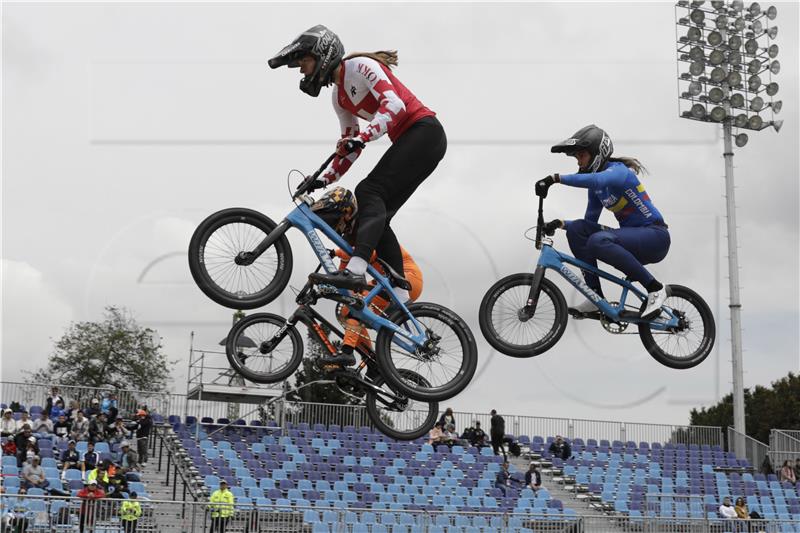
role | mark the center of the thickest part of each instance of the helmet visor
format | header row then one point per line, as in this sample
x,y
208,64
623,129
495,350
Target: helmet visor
x,y
290,56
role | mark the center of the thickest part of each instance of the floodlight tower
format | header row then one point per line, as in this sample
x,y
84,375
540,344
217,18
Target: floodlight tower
x,y
726,60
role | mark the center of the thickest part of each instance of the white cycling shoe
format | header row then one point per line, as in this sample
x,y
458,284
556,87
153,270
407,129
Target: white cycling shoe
x,y
654,302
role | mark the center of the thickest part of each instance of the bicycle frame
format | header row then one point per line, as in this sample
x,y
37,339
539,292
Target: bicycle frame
x,y
305,220
552,259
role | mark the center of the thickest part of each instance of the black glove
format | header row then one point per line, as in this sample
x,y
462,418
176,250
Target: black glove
x,y
551,227
311,187
544,184
348,145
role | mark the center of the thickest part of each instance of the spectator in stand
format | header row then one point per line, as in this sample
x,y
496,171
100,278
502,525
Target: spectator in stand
x,y
119,433
89,505
143,426
51,400
726,510
533,478
436,435
80,427
8,426
797,468
766,466
503,479
62,428
560,448
74,407
43,427
33,475
117,485
129,461
94,408
787,473
31,449
475,435
24,419
90,458
129,513
57,410
497,431
741,509
21,441
109,406
15,518
221,506
70,458
447,420
100,476
98,428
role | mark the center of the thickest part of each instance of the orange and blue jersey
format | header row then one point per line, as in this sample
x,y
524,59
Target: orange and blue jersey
x,y
618,189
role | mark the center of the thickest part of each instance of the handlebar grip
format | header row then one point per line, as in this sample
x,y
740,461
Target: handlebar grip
x,y
351,145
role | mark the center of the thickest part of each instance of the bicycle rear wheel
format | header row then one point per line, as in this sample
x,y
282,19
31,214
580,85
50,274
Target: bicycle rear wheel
x,y
691,343
446,364
506,326
213,251
402,419
258,353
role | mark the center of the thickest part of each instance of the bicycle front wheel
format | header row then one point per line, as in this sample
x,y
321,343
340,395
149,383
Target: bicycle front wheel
x,y
446,363
399,417
509,329
692,341
213,251
256,351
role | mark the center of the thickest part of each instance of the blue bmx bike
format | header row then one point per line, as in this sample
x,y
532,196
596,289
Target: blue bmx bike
x,y
524,315
241,259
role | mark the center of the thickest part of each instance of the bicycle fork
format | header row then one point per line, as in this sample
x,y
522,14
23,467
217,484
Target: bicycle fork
x,y
527,312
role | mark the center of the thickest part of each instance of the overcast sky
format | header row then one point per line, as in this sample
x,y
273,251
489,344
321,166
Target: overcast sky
x,y
125,125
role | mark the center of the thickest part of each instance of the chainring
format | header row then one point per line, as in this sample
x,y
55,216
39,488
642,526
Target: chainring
x,y
614,327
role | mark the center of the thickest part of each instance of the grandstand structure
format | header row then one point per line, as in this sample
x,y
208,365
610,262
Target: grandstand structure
x,y
301,472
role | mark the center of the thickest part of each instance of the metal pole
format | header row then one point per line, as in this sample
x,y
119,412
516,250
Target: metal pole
x,y
735,304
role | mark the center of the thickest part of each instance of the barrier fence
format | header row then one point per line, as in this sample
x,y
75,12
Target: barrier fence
x,y
354,415
745,446
47,513
784,445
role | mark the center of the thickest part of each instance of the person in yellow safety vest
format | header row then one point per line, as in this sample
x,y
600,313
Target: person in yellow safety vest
x,y
222,502
129,513
100,475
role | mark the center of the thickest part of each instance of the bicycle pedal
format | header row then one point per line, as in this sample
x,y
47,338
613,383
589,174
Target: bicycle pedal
x,y
577,315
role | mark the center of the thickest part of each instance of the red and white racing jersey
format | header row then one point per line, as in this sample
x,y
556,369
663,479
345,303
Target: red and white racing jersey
x,y
368,90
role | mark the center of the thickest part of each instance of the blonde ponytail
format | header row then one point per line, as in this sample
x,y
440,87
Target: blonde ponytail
x,y
385,57
630,162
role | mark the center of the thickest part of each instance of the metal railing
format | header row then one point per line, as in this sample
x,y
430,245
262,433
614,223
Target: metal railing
x,y
745,446
45,513
571,428
784,445
354,415
128,401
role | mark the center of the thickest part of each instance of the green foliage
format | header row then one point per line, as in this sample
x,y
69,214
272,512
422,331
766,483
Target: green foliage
x,y
765,408
114,353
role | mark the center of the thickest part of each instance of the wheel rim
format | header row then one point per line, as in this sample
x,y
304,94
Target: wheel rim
x,y
253,339
220,251
406,416
509,326
439,366
687,342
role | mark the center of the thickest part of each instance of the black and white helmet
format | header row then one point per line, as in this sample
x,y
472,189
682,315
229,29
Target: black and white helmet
x,y
592,139
319,42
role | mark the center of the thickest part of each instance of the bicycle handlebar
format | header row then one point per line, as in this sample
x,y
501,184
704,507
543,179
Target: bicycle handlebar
x,y
310,179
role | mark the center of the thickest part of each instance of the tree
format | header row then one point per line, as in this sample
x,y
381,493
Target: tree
x,y
765,408
115,353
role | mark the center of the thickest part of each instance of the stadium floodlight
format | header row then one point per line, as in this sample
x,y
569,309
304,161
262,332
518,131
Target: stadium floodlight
x,y
772,88
726,64
772,51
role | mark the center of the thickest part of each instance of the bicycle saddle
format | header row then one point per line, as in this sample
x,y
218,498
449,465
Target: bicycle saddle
x,y
396,279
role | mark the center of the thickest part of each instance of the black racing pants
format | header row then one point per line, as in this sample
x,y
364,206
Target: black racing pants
x,y
402,169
